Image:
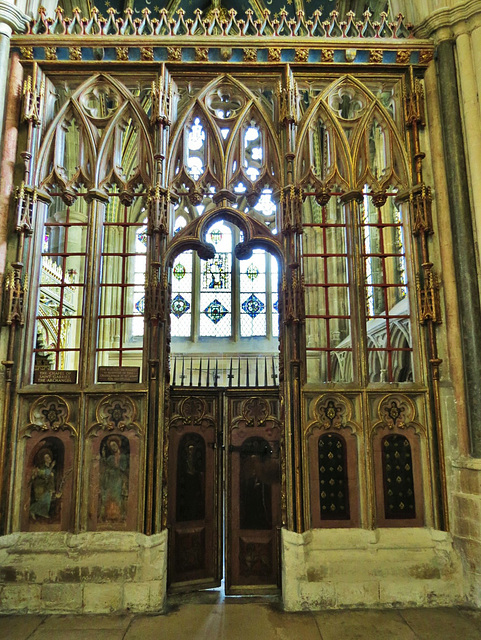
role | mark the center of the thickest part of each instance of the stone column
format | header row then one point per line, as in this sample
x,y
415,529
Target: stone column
x,y
11,19
463,237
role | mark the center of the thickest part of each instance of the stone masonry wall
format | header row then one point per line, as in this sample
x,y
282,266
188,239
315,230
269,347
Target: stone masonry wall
x,y
85,573
339,568
466,523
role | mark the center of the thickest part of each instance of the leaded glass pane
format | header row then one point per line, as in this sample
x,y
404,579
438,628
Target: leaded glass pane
x,y
216,284
275,296
253,295
181,305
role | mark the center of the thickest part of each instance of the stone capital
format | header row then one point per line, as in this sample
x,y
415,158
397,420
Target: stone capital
x,y
12,19
449,22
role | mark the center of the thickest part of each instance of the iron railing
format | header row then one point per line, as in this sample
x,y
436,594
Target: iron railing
x,y
225,371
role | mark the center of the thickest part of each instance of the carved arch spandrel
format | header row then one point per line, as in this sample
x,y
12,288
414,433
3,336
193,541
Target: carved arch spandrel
x,y
193,236
192,412
49,413
396,411
114,469
331,411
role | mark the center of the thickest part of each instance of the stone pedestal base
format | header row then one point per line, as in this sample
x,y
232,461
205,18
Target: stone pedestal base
x,y
341,568
86,573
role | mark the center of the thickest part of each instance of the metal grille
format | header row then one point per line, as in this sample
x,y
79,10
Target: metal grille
x,y
238,371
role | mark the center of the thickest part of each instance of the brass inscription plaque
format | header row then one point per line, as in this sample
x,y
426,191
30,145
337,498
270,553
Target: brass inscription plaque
x,y
48,375
118,374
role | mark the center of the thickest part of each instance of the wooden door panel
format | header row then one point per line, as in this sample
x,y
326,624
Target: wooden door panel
x,y
253,507
194,502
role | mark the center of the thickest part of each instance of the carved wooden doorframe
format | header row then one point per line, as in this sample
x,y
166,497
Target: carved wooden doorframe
x,y
225,450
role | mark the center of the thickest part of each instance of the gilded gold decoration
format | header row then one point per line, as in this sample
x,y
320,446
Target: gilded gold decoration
x,y
250,55
51,53
302,55
375,56
327,55
147,54
122,53
274,54
202,54
174,54
75,53
226,53
214,22
414,109
428,295
403,56
15,291
49,413
425,56
396,411
161,92
115,412
331,411
420,204
289,98
33,100
26,53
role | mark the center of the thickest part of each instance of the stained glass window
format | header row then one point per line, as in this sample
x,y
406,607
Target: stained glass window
x,y
253,295
216,284
181,305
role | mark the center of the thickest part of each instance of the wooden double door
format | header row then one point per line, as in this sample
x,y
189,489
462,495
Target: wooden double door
x,y
224,510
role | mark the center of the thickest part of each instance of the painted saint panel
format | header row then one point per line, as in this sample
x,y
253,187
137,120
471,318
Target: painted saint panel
x,y
114,479
47,495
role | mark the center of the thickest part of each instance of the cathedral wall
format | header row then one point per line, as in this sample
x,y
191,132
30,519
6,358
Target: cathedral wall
x,y
461,26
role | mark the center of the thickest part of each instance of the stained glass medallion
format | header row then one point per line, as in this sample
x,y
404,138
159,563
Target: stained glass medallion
x,y
252,272
179,306
179,271
215,311
216,236
140,305
276,305
253,306
142,236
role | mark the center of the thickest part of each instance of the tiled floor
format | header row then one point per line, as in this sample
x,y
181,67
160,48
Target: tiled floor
x,y
242,620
